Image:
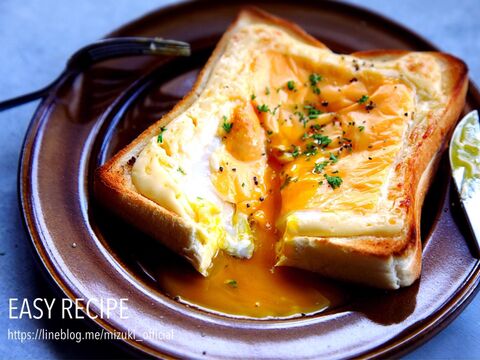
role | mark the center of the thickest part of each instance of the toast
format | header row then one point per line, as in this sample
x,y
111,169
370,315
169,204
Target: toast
x,y
349,147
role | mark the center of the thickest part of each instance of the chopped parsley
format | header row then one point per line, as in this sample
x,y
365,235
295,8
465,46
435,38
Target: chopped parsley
x,y
232,283
302,118
322,140
291,85
315,79
312,112
320,166
363,99
333,181
263,108
181,171
253,97
288,180
227,126
333,158
311,149
160,136
275,109
361,128
296,151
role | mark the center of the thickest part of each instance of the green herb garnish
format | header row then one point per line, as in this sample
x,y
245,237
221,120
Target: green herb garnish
x,y
275,109
311,149
232,283
333,158
160,136
227,126
296,151
333,181
322,140
320,166
263,108
291,85
315,79
288,180
312,112
181,171
302,118
361,128
363,99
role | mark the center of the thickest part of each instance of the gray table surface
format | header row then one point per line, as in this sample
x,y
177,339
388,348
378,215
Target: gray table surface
x,y
36,38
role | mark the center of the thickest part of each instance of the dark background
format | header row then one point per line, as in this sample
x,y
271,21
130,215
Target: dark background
x,y
36,38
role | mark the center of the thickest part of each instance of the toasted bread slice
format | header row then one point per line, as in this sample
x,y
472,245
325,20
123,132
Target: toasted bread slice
x,y
350,141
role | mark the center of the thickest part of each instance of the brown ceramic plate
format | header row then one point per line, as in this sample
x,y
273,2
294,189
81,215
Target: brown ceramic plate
x,y
86,119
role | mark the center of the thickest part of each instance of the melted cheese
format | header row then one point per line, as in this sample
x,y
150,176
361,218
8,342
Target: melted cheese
x,y
323,132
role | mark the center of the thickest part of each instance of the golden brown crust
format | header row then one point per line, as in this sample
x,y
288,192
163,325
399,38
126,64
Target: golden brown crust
x,y
255,14
114,188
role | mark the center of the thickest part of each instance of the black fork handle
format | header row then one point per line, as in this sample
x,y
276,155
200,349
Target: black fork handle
x,y
103,50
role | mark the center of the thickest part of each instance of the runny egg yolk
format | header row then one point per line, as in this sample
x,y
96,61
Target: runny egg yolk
x,y
307,137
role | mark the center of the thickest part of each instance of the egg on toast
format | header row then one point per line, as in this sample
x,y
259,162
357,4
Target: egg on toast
x,y
347,143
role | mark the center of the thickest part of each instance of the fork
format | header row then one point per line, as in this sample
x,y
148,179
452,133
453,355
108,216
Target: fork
x,y
103,50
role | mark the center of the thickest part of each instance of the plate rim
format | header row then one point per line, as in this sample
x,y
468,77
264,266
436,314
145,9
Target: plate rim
x,y
410,338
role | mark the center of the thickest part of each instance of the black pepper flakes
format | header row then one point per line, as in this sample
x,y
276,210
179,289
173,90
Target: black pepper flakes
x,y
370,106
261,198
132,160
220,169
255,180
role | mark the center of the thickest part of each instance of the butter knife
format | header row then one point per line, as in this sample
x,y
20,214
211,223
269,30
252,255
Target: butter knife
x,y
464,154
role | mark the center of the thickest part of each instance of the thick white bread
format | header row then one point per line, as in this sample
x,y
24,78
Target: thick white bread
x,y
382,261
